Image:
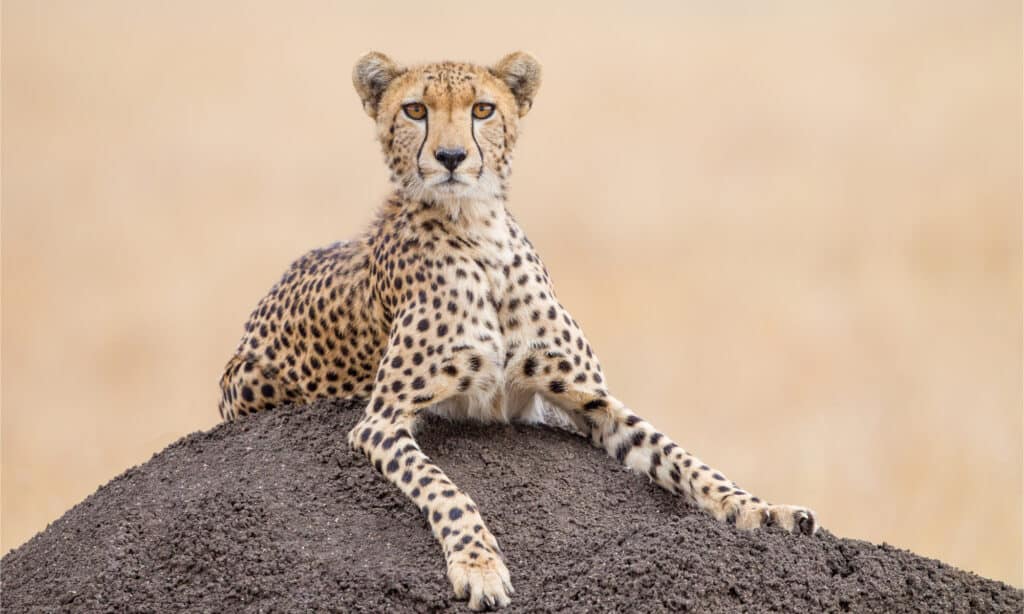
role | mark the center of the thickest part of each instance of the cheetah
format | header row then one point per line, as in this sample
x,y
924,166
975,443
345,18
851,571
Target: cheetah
x,y
444,306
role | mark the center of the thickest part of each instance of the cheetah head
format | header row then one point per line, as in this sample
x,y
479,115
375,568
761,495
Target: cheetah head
x,y
448,129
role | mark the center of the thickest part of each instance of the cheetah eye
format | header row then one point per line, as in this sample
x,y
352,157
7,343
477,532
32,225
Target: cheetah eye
x,y
415,110
483,110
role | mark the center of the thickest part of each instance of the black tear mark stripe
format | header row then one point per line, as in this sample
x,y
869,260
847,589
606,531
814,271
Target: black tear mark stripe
x,y
472,132
419,152
504,134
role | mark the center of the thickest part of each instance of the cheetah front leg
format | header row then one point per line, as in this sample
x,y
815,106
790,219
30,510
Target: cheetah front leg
x,y
635,443
406,384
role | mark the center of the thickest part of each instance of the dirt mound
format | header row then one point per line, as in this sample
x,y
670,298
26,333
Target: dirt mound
x,y
274,514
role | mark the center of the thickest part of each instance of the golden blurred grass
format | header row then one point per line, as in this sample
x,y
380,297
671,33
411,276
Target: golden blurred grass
x,y
793,234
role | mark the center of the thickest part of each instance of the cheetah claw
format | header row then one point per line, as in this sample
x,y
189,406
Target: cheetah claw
x,y
485,582
791,518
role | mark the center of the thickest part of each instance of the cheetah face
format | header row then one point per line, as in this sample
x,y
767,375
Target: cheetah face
x,y
448,129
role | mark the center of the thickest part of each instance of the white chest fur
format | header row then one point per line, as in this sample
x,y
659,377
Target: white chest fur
x,y
484,237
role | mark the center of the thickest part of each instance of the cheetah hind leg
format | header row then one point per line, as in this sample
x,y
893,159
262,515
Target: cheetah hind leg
x,y
249,384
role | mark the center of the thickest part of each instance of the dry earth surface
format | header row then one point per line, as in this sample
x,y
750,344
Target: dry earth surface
x,y
275,514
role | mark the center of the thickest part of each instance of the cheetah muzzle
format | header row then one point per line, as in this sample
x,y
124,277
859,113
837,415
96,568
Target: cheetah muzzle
x,y
443,305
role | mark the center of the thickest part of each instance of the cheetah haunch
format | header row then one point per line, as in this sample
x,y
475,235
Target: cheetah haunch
x,y
444,306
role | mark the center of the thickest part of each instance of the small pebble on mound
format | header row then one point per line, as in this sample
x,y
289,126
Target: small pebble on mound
x,y
274,514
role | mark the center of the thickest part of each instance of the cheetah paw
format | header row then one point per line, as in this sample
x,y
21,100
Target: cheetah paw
x,y
790,517
485,581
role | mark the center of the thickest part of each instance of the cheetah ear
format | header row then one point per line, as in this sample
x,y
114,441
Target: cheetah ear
x,y
371,76
520,71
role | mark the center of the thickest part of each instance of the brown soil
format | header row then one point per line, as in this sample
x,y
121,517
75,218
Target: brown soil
x,y
274,514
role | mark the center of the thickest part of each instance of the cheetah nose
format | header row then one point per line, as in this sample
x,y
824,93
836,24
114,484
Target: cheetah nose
x,y
450,158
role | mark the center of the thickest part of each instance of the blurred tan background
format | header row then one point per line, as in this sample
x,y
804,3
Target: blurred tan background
x,y
793,233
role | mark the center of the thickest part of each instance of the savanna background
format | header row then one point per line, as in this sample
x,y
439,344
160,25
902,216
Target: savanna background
x,y
792,231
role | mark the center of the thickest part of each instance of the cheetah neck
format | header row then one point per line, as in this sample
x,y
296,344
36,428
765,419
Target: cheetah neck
x,y
484,220
483,229
474,215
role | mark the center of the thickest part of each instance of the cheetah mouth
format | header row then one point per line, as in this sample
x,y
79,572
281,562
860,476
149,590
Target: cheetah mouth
x,y
451,181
